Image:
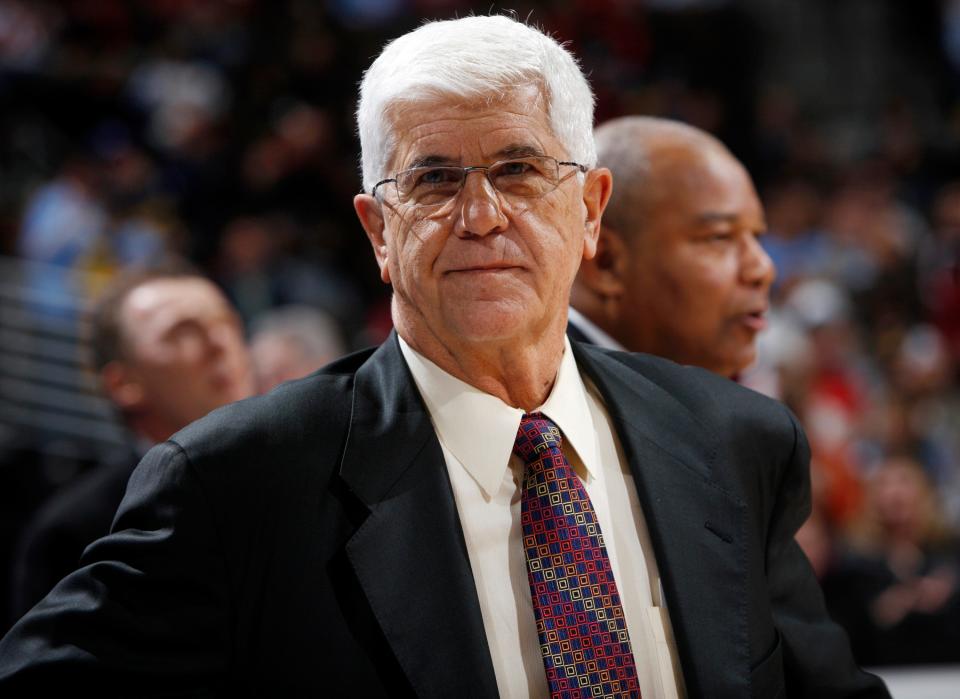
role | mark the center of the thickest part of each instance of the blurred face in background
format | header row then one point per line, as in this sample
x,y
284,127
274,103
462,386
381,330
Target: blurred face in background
x,y
902,499
695,271
278,358
184,355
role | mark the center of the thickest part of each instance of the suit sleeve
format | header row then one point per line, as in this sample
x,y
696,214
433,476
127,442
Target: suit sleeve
x,y
40,562
147,612
817,658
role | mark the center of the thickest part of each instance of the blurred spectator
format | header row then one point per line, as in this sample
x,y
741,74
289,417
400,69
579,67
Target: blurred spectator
x,y
873,244
64,224
25,33
897,588
795,244
224,131
182,99
168,349
300,138
101,213
292,341
259,269
951,36
679,271
833,394
940,266
922,372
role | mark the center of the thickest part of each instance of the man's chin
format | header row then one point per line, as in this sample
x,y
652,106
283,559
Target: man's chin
x,y
734,365
491,321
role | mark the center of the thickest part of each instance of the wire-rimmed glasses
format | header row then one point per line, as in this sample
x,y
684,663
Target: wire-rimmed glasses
x,y
432,186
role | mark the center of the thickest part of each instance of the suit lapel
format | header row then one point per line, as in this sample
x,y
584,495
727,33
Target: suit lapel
x,y
575,333
408,555
698,529
411,562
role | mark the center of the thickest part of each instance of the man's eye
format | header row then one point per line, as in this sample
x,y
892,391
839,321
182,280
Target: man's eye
x,y
513,168
438,176
720,236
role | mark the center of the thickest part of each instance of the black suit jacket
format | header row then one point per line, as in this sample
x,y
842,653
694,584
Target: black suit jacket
x,y
308,542
73,517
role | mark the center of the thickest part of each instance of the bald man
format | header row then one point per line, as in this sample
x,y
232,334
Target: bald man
x,y
679,271
168,348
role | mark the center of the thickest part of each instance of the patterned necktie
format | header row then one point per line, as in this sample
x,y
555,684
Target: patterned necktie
x,y
583,635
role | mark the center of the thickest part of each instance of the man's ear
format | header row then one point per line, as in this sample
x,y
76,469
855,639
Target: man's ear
x,y
121,386
370,213
604,274
597,186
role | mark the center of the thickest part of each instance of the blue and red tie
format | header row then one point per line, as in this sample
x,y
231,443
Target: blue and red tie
x,y
583,635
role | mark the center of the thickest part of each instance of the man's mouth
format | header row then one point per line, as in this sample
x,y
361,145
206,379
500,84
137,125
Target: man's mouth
x,y
755,320
483,269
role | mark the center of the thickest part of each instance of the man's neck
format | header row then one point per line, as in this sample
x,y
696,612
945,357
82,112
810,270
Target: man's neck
x,y
520,372
149,428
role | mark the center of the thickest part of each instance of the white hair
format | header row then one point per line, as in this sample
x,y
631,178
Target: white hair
x,y
472,57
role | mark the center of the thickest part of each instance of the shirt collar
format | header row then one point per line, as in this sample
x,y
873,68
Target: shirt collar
x,y
590,329
479,429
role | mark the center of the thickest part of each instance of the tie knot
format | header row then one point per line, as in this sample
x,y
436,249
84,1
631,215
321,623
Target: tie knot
x,y
537,434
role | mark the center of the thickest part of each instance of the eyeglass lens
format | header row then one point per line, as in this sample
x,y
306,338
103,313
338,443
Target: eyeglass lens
x,y
518,177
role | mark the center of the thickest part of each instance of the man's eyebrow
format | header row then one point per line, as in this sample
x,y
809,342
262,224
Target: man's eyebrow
x,y
717,217
518,150
180,325
721,217
428,160
513,150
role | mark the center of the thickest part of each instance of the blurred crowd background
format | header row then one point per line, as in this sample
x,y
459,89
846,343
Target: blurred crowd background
x,y
223,132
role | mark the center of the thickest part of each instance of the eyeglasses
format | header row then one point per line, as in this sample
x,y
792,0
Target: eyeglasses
x,y
435,185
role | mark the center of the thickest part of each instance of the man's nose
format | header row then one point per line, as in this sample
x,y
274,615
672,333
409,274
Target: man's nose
x,y
219,339
756,267
481,207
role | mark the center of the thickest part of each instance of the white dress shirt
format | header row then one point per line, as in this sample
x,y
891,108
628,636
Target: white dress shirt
x,y
476,432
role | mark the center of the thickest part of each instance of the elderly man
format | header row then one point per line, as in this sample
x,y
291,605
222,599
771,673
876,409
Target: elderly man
x,y
477,507
679,271
168,348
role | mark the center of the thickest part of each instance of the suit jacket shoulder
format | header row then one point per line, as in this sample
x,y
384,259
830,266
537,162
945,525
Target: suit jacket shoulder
x,y
262,428
722,474
705,419
703,393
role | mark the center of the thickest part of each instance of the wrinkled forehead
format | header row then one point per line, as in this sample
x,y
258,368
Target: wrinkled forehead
x,y
454,130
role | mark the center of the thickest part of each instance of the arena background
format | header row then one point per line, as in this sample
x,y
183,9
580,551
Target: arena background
x,y
224,132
